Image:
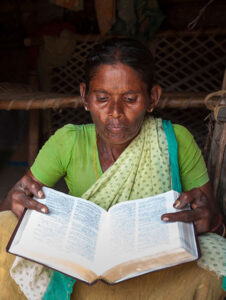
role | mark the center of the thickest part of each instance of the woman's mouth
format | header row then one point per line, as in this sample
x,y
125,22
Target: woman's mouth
x,y
115,128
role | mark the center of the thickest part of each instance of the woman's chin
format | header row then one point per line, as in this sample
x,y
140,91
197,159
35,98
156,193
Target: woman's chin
x,y
117,138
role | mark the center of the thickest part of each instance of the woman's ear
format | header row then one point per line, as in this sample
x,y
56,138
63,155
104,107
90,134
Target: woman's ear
x,y
83,95
155,95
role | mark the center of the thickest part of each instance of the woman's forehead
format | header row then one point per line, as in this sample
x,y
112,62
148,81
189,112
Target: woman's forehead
x,y
115,76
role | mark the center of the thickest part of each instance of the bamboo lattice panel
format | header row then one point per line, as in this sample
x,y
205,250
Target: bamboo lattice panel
x,y
184,62
66,79
190,62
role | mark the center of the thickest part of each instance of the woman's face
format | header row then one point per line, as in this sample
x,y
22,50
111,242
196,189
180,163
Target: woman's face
x,y
117,100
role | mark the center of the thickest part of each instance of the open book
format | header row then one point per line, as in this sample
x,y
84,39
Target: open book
x,y
84,241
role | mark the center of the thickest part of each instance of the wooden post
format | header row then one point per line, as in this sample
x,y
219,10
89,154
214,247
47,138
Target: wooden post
x,y
217,157
33,139
219,161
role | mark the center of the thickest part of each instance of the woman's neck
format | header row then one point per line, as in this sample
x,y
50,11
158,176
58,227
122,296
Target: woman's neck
x,y
108,153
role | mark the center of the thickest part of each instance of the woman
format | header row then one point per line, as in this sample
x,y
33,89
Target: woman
x,y
126,153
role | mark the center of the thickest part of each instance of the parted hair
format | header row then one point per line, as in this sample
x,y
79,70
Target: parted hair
x,y
127,51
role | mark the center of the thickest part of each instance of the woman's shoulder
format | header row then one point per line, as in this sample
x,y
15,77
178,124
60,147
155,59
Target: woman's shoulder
x,y
184,138
72,128
192,166
67,137
71,131
182,132
186,141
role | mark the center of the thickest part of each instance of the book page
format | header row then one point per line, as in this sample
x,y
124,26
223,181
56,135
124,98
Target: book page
x,y
69,231
103,251
83,230
188,239
136,229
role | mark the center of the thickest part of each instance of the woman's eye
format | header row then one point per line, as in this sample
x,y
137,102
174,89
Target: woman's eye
x,y
102,98
130,99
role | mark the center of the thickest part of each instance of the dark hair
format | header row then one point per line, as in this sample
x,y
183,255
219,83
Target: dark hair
x,y
124,50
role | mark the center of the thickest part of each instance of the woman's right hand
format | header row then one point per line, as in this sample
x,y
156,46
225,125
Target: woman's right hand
x,y
20,196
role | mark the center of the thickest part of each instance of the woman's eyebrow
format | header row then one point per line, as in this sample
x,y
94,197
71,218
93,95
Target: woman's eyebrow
x,y
131,92
126,92
100,91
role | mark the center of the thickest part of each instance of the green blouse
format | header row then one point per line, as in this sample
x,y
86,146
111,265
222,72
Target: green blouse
x,y
70,153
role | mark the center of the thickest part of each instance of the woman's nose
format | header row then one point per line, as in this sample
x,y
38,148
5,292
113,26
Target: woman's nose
x,y
115,108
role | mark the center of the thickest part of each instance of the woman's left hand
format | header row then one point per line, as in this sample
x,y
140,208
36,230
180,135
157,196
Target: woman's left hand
x,y
204,209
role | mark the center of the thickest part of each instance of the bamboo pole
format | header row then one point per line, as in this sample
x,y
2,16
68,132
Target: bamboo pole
x,y
182,100
53,103
168,100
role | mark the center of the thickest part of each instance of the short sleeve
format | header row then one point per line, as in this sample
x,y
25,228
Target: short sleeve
x,y
53,158
192,166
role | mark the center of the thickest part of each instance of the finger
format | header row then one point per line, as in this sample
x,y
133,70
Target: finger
x,y
201,201
183,200
21,199
182,216
195,197
31,187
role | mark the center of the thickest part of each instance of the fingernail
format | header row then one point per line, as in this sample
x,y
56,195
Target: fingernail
x,y
40,193
165,219
44,210
177,203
